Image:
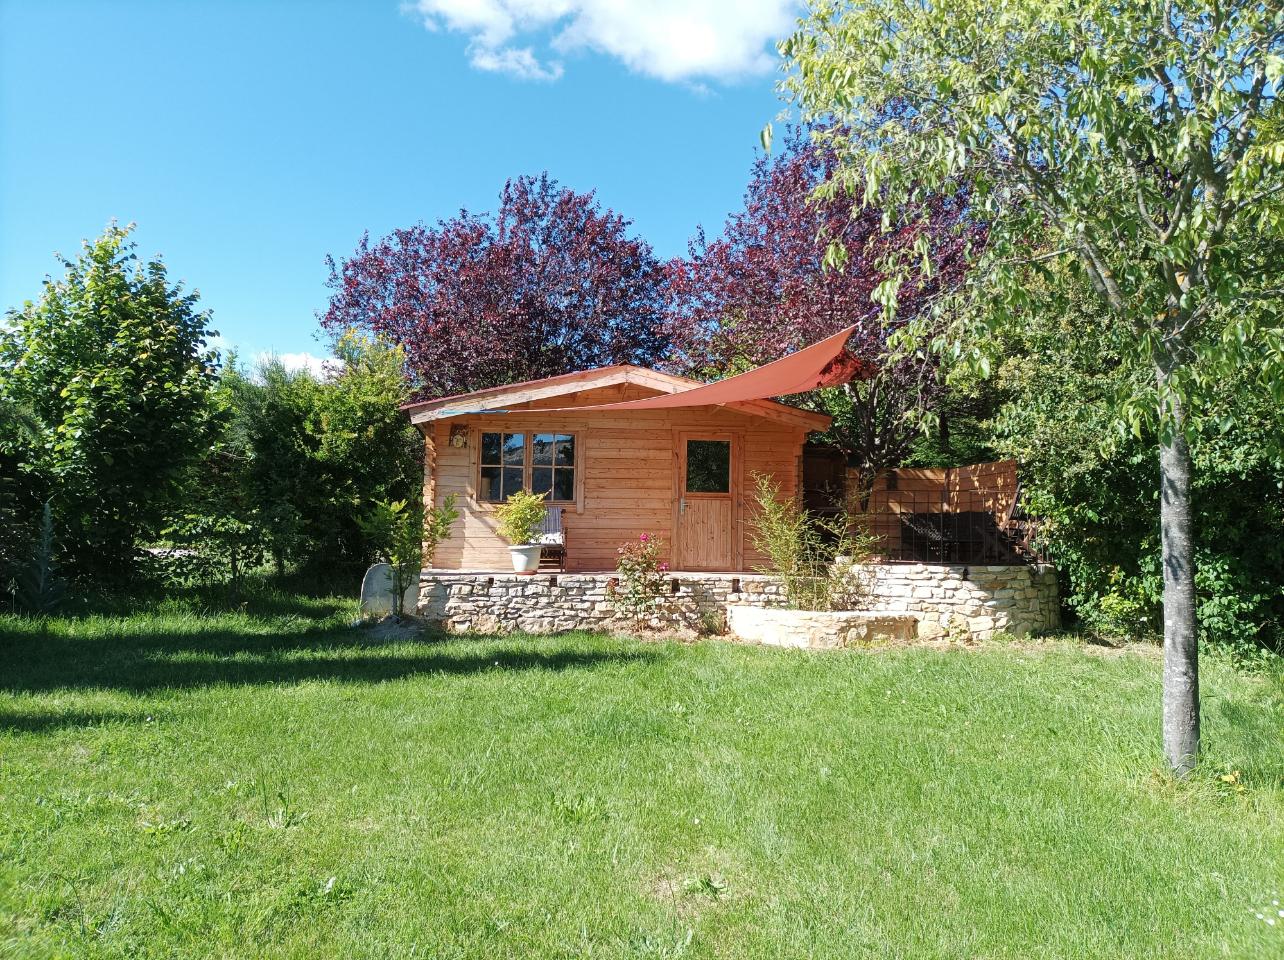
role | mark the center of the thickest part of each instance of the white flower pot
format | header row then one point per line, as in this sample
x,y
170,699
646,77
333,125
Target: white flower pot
x,y
525,557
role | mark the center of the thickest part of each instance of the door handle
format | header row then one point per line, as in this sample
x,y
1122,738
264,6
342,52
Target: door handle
x,y
682,506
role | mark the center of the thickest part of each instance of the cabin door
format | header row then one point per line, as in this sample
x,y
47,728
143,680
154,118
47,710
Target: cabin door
x,y
706,485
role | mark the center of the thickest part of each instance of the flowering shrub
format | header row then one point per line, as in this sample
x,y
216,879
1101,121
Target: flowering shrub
x,y
641,576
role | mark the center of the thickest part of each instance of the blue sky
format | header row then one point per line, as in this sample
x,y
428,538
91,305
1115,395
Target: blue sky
x,y
248,140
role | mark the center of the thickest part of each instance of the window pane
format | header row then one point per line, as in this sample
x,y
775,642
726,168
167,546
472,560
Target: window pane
x,y
565,451
490,448
564,485
708,466
489,484
514,449
542,449
512,481
541,479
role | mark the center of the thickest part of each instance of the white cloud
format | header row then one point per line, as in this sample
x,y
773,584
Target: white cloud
x,y
674,40
320,367
520,63
220,343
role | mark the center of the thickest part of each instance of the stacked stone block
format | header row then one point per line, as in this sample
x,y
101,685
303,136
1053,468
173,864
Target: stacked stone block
x,y
976,601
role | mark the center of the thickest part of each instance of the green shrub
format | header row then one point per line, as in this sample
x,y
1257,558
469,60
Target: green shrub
x,y
1096,489
521,517
211,548
814,557
437,524
311,453
405,538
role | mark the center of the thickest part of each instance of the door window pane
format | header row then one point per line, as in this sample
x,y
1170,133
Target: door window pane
x,y
708,466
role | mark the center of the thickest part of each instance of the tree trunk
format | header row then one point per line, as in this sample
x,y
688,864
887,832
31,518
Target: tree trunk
x,y
1181,649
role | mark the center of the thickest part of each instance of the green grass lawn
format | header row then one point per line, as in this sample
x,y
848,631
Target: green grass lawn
x,y
272,783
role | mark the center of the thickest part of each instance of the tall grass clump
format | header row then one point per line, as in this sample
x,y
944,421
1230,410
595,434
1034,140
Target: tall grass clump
x,y
816,558
38,587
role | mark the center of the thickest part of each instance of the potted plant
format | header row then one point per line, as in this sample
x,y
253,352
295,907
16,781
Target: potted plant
x,y
521,519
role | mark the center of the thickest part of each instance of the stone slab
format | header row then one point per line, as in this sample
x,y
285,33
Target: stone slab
x,y
819,630
376,592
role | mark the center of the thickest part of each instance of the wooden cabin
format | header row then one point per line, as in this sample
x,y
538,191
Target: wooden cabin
x,y
683,474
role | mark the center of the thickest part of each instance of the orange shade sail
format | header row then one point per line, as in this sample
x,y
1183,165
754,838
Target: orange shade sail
x,y
823,364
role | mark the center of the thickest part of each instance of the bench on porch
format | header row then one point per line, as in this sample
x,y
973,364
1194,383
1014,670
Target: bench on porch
x,y
552,540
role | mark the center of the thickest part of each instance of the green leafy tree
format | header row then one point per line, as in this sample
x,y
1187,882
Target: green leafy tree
x,y
959,430
1140,141
113,372
1094,490
270,450
405,536
218,534
315,451
21,492
437,524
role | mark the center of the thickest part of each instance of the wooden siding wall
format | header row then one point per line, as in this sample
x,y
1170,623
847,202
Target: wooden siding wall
x,y
989,487
625,476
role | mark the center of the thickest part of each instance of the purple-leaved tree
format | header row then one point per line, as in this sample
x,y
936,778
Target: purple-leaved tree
x,y
763,288
549,284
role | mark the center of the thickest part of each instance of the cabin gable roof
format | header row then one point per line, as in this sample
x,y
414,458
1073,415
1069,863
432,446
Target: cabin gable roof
x,y
500,399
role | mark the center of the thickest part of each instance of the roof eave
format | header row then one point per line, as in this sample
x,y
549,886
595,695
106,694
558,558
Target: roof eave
x,y
495,400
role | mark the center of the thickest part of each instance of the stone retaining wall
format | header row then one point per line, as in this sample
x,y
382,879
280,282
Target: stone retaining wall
x,y
545,603
946,600
978,600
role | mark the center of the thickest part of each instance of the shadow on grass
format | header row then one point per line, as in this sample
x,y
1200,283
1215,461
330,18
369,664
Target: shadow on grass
x,y
258,600
147,661
48,722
